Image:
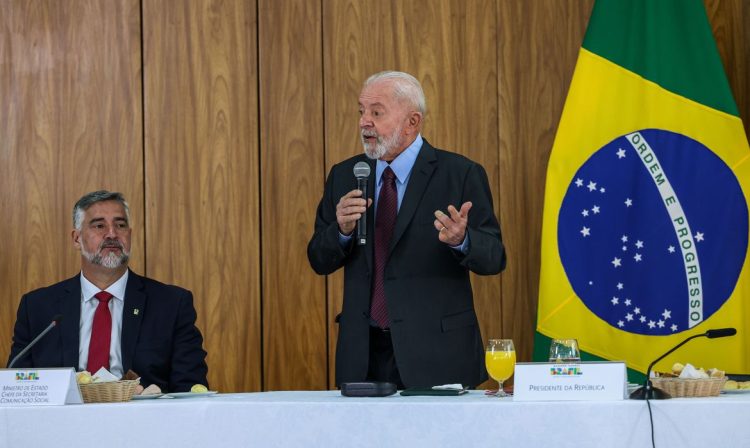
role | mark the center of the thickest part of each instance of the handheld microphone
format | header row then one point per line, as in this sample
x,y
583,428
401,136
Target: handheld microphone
x,y
648,391
55,321
362,172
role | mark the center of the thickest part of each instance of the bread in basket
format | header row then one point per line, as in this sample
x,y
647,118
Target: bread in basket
x,y
690,387
108,392
700,383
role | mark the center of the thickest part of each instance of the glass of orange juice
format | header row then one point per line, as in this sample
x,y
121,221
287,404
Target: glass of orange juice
x,y
500,359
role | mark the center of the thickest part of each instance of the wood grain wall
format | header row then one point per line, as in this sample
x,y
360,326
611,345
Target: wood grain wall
x,y
70,122
219,121
202,176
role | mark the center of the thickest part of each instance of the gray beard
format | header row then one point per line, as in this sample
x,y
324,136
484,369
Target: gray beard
x,y
375,151
111,260
383,145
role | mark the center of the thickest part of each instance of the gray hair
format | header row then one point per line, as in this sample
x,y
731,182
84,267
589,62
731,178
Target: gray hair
x,y
92,198
405,87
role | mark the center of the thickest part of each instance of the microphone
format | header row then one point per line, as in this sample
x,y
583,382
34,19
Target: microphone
x,y
55,321
362,172
721,332
648,391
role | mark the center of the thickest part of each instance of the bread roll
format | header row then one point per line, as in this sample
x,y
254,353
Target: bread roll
x,y
677,368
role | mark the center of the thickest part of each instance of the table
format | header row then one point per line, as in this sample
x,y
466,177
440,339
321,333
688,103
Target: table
x,y
325,418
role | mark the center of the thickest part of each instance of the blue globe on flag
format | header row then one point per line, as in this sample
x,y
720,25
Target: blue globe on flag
x,y
652,232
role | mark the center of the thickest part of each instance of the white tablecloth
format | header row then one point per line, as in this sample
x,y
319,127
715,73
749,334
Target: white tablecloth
x,y
292,419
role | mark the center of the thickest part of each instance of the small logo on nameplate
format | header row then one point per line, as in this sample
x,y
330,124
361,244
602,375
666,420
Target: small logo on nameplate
x,y
27,376
565,370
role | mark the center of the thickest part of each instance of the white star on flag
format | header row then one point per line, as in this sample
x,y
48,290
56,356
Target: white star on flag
x,y
591,186
699,236
595,209
620,323
637,257
637,310
666,314
620,286
639,244
624,239
629,317
651,324
642,319
620,153
673,327
627,302
628,202
616,262
661,324
671,249
602,190
579,182
585,212
615,300
585,231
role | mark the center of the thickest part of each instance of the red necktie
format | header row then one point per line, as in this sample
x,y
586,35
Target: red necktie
x,y
101,334
385,221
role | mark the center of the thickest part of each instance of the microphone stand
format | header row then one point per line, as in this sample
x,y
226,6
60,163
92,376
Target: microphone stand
x,y
55,321
648,391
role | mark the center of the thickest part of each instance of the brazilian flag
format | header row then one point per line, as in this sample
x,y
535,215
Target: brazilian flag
x,y
645,229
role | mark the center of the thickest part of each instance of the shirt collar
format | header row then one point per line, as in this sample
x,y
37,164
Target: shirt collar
x,y
117,289
403,163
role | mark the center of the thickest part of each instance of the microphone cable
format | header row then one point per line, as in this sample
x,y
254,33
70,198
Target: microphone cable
x,y
651,420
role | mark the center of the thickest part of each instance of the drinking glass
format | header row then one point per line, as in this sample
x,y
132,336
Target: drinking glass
x,y
564,351
500,358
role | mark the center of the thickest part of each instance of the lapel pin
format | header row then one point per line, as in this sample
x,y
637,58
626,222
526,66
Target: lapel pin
x,y
135,311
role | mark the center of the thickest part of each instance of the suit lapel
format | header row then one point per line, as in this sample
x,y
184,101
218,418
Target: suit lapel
x,y
70,332
418,180
132,316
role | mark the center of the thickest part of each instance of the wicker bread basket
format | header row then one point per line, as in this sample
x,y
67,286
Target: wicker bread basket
x,y
679,387
109,392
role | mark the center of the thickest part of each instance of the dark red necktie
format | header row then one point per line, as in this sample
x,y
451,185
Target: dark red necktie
x,y
101,334
385,221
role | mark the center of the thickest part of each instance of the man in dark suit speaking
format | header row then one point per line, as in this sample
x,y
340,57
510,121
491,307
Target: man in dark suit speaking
x,y
112,317
408,313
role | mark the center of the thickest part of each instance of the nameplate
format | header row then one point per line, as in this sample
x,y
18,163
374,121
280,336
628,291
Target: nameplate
x,y
39,387
547,381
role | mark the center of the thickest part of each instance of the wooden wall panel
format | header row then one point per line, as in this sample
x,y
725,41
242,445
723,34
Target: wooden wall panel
x,y
730,21
538,47
451,48
202,198
291,110
70,123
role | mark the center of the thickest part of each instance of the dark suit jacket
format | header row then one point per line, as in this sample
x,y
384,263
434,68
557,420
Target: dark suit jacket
x,y
436,338
160,341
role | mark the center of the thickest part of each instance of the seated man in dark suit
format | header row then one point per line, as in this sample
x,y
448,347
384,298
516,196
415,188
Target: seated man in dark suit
x,y
113,318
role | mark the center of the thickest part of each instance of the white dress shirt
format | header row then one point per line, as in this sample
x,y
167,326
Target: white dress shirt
x,y
88,306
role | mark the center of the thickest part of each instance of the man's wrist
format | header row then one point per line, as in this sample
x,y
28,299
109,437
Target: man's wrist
x,y
464,246
344,239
